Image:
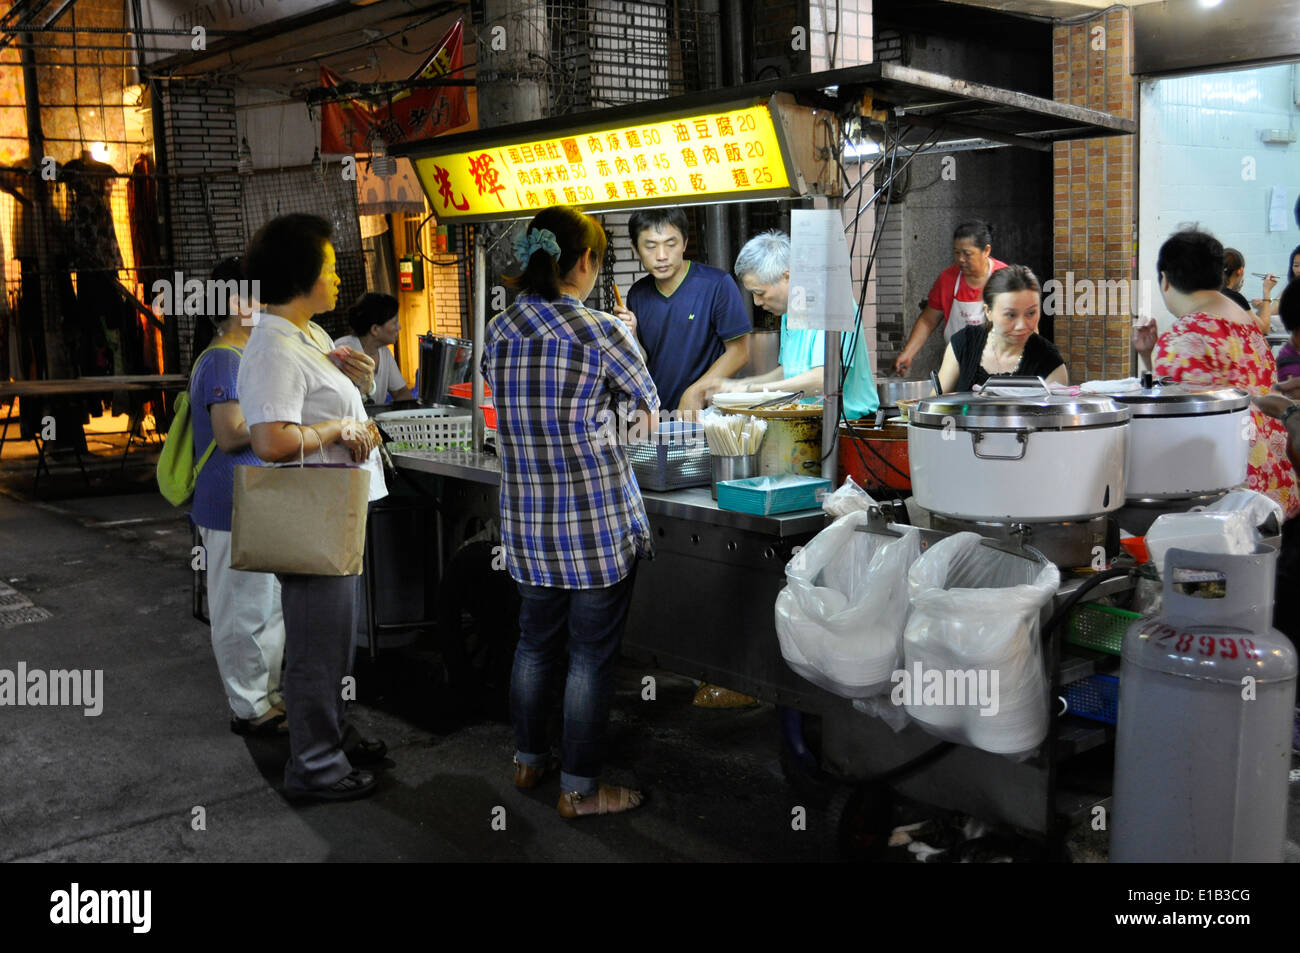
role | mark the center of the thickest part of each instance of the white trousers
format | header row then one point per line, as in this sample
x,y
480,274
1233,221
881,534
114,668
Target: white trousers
x,y
247,629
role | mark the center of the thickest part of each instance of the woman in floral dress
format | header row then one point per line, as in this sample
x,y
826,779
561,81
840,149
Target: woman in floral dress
x,y
1215,342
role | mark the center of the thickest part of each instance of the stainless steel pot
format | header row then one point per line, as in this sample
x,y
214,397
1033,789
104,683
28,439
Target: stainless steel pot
x,y
443,361
1027,459
892,391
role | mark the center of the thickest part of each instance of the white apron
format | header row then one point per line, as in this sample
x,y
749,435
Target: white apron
x,y
962,313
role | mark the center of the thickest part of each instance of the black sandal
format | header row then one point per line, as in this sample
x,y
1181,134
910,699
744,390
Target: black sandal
x,y
277,724
350,787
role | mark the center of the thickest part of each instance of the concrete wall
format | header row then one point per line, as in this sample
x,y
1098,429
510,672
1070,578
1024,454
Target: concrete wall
x,y
1200,147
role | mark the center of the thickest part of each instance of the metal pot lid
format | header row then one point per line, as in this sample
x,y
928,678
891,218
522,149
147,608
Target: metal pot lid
x,y
1182,400
975,412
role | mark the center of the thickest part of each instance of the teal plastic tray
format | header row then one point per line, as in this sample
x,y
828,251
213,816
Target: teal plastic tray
x,y
766,495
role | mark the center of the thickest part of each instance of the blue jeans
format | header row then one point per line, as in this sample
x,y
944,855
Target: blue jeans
x,y
590,623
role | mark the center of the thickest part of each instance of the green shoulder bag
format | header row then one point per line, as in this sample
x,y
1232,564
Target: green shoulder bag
x,y
177,470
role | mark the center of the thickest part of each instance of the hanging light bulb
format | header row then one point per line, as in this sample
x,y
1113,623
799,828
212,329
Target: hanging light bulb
x,y
381,163
317,165
245,158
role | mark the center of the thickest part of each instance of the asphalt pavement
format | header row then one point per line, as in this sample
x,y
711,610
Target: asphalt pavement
x,y
97,578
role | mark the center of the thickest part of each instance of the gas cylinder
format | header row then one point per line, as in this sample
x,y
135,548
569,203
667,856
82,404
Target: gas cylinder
x,y
1206,701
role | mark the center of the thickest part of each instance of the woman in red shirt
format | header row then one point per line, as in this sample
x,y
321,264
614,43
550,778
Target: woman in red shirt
x,y
957,296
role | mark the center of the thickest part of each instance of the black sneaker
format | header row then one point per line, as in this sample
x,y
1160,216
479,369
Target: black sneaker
x,y
356,785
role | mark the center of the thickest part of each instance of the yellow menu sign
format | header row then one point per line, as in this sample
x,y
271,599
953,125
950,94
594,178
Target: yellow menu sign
x,y
703,158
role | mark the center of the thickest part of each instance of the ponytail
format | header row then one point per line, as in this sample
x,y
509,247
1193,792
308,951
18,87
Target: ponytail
x,y
551,245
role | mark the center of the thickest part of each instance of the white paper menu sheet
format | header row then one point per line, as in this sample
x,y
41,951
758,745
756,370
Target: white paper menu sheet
x,y
821,282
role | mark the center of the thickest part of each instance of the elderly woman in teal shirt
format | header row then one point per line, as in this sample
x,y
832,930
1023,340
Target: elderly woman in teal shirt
x,y
763,267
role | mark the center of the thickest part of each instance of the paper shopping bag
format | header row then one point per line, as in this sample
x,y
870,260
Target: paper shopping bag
x,y
308,520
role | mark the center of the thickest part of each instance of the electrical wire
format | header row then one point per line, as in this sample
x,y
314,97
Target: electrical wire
x,y
316,58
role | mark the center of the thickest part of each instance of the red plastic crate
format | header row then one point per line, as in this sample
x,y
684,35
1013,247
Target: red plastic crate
x,y
466,390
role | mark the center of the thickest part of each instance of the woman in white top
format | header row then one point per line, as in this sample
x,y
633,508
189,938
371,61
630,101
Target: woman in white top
x,y
375,326
302,396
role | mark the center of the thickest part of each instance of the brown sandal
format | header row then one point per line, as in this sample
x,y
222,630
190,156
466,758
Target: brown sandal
x,y
528,775
610,799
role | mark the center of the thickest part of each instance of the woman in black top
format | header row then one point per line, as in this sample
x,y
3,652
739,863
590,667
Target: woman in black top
x,y
1234,276
1008,342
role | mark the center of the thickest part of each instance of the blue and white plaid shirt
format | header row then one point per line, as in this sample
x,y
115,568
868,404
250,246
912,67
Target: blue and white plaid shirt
x,y
563,377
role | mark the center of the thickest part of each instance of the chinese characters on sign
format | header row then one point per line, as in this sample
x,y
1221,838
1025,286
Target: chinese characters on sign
x,y
700,157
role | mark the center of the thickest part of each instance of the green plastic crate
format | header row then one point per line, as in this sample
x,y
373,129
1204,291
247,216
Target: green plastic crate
x,y
1100,628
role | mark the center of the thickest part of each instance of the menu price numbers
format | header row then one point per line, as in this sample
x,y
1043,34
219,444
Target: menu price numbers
x,y
1206,646
558,173
581,193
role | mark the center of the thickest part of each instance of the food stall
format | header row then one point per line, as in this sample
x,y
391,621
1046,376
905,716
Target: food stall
x,y
703,606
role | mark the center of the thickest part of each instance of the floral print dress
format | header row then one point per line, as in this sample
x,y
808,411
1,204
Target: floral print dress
x,y
1201,348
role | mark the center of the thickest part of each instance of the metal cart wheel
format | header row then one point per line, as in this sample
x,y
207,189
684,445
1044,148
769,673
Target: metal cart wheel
x,y
478,629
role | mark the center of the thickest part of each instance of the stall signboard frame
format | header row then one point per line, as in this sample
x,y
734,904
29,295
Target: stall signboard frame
x,y
732,152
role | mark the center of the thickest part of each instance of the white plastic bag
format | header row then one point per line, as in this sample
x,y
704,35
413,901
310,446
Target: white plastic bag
x,y
840,617
972,653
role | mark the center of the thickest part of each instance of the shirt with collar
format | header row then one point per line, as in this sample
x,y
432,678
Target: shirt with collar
x,y
286,375
562,375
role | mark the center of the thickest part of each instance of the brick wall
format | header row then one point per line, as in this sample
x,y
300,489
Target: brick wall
x,y
893,314
205,195
1094,190
848,40
835,44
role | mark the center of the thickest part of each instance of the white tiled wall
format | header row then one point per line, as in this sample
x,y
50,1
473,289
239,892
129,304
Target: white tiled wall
x,y
1197,133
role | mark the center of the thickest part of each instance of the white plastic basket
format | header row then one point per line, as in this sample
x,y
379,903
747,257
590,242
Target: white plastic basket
x,y
427,428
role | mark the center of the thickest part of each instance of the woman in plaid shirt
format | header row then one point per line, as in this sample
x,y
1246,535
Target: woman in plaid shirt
x,y
565,379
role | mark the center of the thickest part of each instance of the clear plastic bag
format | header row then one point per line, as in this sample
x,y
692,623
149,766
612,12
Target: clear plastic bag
x,y
849,498
1257,507
840,617
973,660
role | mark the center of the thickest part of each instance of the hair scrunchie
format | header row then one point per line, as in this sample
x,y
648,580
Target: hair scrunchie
x,y
531,241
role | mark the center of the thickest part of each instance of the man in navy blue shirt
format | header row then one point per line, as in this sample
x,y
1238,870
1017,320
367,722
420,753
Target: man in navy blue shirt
x,y
690,318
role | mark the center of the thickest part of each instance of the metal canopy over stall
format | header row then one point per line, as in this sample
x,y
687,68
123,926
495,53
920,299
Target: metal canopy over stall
x,y
878,116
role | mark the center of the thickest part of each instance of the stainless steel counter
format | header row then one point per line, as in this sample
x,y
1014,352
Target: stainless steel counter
x,y
695,503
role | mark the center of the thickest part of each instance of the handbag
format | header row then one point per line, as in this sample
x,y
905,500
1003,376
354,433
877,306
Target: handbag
x,y
306,519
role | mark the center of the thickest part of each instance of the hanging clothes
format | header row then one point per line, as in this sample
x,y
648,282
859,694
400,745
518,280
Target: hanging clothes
x,y
104,323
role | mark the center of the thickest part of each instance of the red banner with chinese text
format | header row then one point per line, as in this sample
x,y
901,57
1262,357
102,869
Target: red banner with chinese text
x,y
351,125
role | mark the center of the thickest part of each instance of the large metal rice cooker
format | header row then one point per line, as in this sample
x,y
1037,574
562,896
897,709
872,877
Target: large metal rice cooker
x,y
1047,467
1188,444
793,442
